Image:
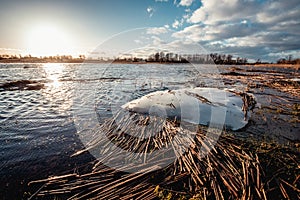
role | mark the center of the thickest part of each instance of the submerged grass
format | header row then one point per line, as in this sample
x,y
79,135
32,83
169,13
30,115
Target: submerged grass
x,y
232,168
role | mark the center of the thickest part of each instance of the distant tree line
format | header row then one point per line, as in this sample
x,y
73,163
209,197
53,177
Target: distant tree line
x,y
289,60
161,57
168,57
57,57
29,58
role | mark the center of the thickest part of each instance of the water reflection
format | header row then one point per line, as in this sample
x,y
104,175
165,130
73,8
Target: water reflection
x,y
53,73
57,93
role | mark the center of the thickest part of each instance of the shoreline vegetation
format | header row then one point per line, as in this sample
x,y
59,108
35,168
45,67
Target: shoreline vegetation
x,y
160,57
234,169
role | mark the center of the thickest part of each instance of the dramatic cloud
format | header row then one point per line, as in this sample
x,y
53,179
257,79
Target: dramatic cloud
x,y
213,11
235,25
186,2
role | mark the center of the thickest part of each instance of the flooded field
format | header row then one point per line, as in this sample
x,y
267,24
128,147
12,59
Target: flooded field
x,y
45,109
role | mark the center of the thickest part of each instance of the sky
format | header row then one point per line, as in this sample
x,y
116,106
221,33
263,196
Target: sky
x,y
255,29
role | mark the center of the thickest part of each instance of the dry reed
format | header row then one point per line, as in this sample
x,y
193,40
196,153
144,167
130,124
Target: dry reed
x,y
228,170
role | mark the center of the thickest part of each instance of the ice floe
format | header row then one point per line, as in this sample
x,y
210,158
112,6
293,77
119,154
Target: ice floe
x,y
205,106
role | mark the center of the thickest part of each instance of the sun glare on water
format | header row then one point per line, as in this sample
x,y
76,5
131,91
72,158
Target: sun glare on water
x,y
53,72
57,93
48,40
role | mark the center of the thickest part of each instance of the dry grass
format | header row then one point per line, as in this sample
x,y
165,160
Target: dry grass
x,y
228,169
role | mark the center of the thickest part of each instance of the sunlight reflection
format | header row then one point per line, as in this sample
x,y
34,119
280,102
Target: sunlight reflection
x,y
53,72
57,93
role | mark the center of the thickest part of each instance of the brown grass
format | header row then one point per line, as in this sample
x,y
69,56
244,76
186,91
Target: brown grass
x,y
229,169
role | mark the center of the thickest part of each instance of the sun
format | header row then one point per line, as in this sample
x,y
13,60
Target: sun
x,y
48,40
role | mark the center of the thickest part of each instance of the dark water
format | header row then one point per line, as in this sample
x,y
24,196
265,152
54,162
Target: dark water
x,y
42,107
45,108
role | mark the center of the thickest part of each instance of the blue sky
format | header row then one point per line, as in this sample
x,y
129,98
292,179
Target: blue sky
x,y
256,29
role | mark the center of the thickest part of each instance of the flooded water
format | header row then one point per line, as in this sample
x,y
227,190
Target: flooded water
x,y
42,107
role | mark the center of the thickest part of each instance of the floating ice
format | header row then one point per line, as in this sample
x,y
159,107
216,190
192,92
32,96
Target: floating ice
x,y
203,106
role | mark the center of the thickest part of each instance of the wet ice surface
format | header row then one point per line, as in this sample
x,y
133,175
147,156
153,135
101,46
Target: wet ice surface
x,y
204,106
40,126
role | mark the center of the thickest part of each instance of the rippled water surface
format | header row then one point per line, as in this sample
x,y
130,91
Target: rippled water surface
x,y
40,104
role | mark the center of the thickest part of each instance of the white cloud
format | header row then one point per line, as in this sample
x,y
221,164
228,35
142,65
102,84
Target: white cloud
x,y
157,30
150,11
186,2
213,11
194,32
161,0
177,23
244,22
